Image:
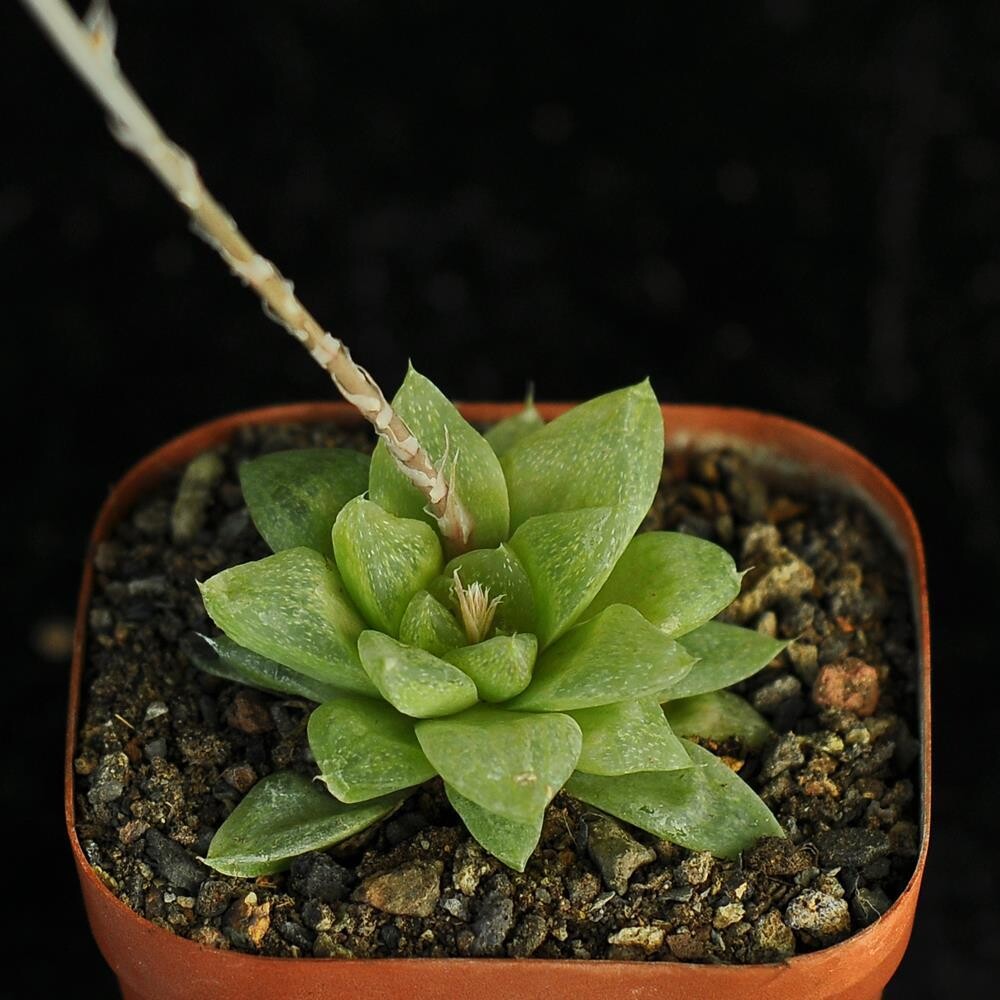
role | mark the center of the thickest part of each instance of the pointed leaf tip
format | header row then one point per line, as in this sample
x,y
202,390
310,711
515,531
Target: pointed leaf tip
x,y
442,431
383,560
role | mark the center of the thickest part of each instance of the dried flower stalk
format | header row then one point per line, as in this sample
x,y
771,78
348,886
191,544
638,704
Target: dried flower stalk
x,y
89,48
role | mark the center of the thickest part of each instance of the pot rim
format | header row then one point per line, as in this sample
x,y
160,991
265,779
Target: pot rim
x,y
766,434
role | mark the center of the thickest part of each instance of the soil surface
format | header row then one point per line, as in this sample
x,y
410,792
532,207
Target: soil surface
x,y
166,752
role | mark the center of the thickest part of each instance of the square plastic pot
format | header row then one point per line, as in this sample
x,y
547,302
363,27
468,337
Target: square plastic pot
x,y
153,964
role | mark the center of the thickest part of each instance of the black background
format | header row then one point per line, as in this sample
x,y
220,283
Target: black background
x,y
783,204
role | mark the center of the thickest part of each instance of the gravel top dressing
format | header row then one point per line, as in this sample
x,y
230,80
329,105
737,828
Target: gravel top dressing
x,y
166,752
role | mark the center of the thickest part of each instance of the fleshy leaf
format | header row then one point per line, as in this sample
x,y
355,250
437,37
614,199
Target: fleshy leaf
x,y
628,736
473,470
511,763
501,666
291,607
285,815
726,654
412,680
365,748
383,560
223,658
718,715
511,841
501,571
677,581
705,808
607,452
505,434
295,496
614,657
429,625
567,557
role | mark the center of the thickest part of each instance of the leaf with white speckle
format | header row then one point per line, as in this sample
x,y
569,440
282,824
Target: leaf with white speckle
x,y
291,607
677,581
383,560
628,736
705,808
428,624
511,841
222,657
511,763
415,682
567,557
365,748
616,656
607,452
726,654
295,496
500,667
718,715
285,815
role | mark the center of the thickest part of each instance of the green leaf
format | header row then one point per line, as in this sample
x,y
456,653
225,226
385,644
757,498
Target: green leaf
x,y
704,808
505,434
500,570
718,715
412,680
628,736
384,560
567,557
500,667
282,816
677,581
294,496
726,654
511,841
616,656
429,625
607,452
223,658
447,437
511,763
291,607
365,749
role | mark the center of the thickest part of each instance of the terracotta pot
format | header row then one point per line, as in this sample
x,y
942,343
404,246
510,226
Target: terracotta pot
x,y
154,964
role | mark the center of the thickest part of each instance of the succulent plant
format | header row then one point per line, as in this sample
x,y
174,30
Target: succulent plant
x,y
560,651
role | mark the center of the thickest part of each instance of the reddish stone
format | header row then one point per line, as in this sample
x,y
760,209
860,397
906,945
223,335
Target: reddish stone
x,y
249,715
851,686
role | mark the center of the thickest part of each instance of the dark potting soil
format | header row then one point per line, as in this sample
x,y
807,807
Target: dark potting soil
x,y
166,752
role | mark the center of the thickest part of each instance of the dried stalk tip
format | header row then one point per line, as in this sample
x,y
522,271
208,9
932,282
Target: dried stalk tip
x,y
89,47
476,608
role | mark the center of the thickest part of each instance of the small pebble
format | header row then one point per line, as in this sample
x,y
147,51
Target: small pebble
x,y
529,936
194,495
773,938
851,847
249,714
616,853
818,917
318,876
852,686
727,915
493,923
772,695
110,779
647,939
695,869
412,889
173,863
247,921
